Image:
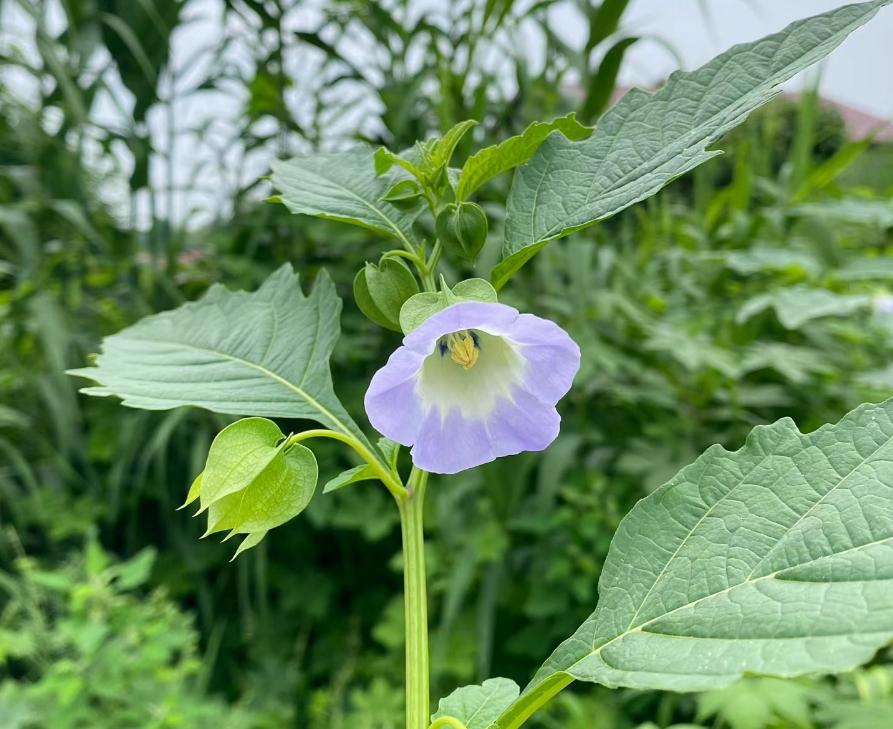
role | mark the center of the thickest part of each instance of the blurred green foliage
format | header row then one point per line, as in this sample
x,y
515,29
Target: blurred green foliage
x,y
750,290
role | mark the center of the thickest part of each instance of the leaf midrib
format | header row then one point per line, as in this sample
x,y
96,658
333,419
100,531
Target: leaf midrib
x,y
483,704
748,581
391,224
774,575
660,159
238,360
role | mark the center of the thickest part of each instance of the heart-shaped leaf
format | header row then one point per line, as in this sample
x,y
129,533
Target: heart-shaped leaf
x,y
254,480
478,706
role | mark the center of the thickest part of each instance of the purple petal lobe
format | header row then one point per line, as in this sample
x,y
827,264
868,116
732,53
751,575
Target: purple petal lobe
x,y
455,444
392,405
552,357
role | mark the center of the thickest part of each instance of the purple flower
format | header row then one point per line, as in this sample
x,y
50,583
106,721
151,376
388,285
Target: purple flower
x,y
474,382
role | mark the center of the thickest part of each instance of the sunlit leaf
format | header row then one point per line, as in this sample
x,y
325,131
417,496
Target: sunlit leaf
x,y
365,472
422,306
877,213
254,480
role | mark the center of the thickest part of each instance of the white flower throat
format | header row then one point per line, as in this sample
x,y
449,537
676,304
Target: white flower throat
x,y
481,368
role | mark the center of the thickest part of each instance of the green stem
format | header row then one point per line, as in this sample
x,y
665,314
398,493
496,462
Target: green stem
x,y
432,262
447,721
418,713
388,478
402,254
545,693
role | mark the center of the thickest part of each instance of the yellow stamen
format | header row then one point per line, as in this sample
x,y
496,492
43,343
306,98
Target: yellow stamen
x,y
464,352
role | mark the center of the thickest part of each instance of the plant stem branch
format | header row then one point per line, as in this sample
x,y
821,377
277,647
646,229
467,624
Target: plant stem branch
x,y
388,478
447,721
415,600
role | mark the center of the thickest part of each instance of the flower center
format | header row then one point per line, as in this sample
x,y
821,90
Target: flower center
x,y
447,384
464,348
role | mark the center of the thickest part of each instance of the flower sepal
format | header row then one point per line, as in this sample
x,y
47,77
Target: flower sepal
x,y
381,291
421,307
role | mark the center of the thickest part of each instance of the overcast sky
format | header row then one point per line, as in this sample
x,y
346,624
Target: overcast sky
x,y
859,73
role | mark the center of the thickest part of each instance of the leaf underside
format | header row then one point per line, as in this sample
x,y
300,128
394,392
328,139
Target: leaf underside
x,y
264,353
649,139
343,186
776,559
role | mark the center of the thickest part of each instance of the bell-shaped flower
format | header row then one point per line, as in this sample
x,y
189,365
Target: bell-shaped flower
x,y
474,382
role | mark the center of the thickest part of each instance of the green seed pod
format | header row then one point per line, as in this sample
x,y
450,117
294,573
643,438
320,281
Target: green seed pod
x,y
462,228
380,291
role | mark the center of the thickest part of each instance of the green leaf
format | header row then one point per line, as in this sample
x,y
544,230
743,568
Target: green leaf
x,y
253,481
866,269
265,353
385,159
758,260
798,305
876,213
604,21
380,292
442,150
493,161
602,83
403,191
756,703
344,186
365,472
194,492
238,454
252,540
648,140
776,559
478,706
390,450
425,305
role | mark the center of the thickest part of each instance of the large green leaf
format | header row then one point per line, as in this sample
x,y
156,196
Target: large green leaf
x,y
493,161
344,186
478,706
648,139
265,353
776,559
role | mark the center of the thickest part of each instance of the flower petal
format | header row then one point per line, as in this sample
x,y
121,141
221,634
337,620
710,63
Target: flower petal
x,y
391,402
453,444
552,357
491,318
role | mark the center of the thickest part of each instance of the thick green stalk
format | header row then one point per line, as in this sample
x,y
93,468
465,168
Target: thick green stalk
x,y
418,712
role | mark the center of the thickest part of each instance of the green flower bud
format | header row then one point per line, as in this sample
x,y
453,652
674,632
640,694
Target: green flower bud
x,y
380,291
462,228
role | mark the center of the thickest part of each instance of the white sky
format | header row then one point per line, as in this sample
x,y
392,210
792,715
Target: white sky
x,y
859,73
